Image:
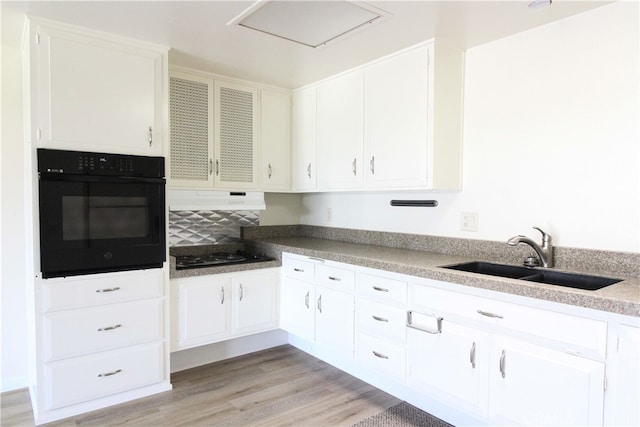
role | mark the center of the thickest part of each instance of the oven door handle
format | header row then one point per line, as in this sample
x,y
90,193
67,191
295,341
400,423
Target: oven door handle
x,y
45,176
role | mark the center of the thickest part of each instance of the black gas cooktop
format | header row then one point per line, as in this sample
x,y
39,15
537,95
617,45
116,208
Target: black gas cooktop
x,y
218,259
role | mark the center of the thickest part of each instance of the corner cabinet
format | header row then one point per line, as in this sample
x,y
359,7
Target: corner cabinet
x,y
395,123
95,92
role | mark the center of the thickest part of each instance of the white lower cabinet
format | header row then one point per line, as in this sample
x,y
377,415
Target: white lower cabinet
x,y
100,339
493,367
217,307
317,303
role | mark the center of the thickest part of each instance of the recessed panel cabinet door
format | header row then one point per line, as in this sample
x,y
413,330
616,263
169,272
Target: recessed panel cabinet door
x,y
297,312
304,169
335,321
96,95
254,302
275,140
531,385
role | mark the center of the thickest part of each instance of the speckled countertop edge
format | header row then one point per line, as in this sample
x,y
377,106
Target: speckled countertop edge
x,y
621,298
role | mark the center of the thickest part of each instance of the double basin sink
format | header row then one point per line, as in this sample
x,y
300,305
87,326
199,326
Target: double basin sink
x,y
539,275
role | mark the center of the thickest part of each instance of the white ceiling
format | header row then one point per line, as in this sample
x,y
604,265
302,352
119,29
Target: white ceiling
x,y
199,38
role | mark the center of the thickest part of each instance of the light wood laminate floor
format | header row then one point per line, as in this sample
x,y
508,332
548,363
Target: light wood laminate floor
x,y
282,386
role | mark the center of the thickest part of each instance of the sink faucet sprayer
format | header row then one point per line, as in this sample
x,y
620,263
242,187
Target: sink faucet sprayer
x,y
545,252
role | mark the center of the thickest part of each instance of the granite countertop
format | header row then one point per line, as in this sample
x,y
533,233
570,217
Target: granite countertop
x,y
621,298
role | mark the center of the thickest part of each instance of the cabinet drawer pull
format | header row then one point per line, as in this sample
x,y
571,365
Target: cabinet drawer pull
x,y
429,331
320,303
379,319
379,289
298,270
109,328
335,279
489,314
502,363
101,291
380,355
108,374
472,356
306,299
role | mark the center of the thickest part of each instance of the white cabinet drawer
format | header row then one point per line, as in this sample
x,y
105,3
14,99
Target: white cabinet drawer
x,y
389,291
77,332
336,278
85,378
382,321
381,357
107,288
575,334
298,268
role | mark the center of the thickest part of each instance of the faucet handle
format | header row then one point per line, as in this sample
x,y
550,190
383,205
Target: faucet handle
x,y
545,237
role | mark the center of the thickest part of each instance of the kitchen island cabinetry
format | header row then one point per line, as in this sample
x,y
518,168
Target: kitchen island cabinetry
x,y
217,307
95,92
275,140
317,304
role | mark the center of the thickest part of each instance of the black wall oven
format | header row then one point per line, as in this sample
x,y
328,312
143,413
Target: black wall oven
x,y
100,212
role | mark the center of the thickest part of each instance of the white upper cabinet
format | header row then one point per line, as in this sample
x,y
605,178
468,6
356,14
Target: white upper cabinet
x,y
303,134
396,113
395,123
275,140
340,132
235,135
94,92
190,130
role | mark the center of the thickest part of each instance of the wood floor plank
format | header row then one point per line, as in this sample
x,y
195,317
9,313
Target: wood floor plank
x,y
282,386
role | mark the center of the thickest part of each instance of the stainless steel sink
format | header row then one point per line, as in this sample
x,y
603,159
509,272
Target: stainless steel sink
x,y
538,275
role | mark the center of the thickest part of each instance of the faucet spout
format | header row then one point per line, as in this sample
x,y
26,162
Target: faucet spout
x,y
544,251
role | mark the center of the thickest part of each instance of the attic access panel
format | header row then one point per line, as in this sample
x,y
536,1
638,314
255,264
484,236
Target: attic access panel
x,y
311,23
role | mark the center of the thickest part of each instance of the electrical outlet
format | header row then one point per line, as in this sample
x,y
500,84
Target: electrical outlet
x,y
469,221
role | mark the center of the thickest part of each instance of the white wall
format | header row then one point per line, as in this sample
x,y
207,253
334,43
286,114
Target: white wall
x,y
551,138
13,343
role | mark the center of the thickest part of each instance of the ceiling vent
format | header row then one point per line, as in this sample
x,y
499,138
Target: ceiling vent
x,y
311,23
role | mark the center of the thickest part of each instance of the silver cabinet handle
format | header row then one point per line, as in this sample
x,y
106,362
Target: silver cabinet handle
x,y
217,167
309,170
269,170
320,304
298,270
221,294
502,363
472,355
150,136
380,355
372,165
379,289
101,291
379,319
489,314
306,300
353,166
335,279
108,374
241,292
210,166
109,328
429,331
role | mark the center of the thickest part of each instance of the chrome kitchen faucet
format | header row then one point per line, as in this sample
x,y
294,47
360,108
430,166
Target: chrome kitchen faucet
x,y
545,252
